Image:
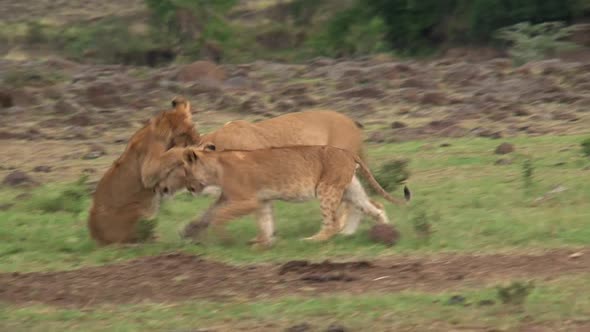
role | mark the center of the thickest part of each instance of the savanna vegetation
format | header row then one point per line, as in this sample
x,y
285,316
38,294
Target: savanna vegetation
x,y
496,152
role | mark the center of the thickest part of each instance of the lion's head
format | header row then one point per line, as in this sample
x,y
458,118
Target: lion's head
x,y
176,126
176,179
194,175
173,183
199,171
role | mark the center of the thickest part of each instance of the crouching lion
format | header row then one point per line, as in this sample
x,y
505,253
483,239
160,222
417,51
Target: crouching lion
x,y
251,180
126,193
312,127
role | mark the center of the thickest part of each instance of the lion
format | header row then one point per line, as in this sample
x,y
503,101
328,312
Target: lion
x,y
126,193
251,180
312,127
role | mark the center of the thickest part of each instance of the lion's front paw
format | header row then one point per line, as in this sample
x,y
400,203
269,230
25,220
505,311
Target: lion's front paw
x,y
320,237
261,244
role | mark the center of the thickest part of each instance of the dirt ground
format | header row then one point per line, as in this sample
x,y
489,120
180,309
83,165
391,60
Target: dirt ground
x,y
82,124
177,276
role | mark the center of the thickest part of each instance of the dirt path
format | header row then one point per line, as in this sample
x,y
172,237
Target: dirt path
x,y
178,276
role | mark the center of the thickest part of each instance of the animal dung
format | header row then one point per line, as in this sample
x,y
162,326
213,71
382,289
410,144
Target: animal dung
x,y
384,233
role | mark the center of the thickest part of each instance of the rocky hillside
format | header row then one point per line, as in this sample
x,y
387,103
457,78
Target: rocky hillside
x,y
63,118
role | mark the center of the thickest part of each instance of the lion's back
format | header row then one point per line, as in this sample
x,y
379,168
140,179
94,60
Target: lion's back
x,y
288,170
313,127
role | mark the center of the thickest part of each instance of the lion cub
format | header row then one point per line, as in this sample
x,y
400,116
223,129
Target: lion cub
x,y
251,180
126,193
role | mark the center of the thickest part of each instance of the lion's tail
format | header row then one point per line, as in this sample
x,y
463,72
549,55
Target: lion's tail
x,y
371,179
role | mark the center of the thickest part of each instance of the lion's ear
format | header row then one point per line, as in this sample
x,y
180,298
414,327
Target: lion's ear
x,y
209,147
190,156
182,105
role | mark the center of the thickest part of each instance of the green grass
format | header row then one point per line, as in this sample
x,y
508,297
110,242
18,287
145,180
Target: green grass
x,y
548,303
472,205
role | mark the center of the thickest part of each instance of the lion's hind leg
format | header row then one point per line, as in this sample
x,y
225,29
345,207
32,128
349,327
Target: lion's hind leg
x,y
330,197
352,221
360,201
115,226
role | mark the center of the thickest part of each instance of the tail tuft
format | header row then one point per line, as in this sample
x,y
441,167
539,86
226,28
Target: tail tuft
x,y
407,193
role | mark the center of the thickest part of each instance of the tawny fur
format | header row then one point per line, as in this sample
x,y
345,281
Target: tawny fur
x,y
251,180
312,127
126,193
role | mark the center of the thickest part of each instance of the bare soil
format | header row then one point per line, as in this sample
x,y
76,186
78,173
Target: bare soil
x,y
178,276
56,125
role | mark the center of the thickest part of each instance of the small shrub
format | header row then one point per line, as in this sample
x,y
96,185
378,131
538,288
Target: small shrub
x,y
516,293
146,229
110,41
29,77
194,23
36,33
303,11
417,26
421,223
410,25
528,170
586,147
349,33
392,174
530,42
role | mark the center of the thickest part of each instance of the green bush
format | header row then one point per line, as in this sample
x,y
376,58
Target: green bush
x,y
416,25
422,225
409,23
515,293
146,229
110,41
194,28
413,27
350,32
203,21
531,42
390,175
303,11
36,33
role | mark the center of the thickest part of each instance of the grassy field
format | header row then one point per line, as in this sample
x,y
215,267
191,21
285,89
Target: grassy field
x,y
471,204
551,304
